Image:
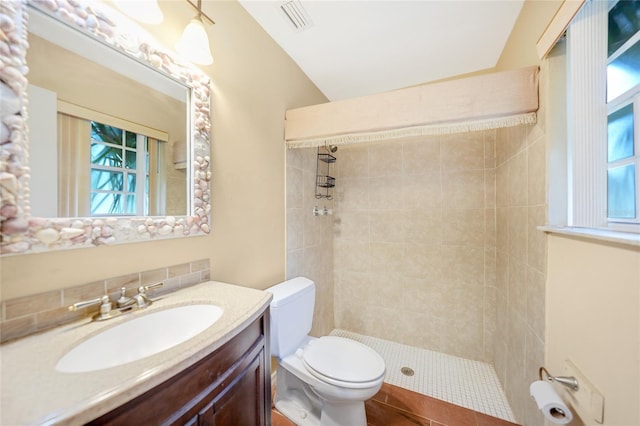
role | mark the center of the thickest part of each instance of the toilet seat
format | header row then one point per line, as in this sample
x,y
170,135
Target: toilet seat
x,y
343,362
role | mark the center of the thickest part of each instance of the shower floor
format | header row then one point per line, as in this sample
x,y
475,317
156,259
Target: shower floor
x,y
463,382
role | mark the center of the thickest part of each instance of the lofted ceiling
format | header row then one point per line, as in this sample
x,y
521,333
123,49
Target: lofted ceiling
x,y
351,48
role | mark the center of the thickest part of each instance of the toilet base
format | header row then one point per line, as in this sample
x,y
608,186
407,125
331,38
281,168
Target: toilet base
x,y
341,414
295,400
301,403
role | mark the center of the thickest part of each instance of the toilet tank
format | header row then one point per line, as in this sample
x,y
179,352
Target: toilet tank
x,y
291,314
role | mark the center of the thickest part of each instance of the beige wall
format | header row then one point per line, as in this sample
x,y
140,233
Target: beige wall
x,y
593,317
520,50
253,83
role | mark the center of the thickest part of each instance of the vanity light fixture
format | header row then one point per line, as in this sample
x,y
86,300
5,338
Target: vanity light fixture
x,y
194,43
147,11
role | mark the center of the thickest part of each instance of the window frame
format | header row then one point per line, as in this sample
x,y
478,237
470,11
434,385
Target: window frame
x,y
587,121
630,97
623,224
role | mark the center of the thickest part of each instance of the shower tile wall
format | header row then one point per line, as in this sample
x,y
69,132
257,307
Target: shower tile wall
x,y
309,237
415,242
521,264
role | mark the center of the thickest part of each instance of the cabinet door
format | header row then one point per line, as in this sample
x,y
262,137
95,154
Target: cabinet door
x,y
242,402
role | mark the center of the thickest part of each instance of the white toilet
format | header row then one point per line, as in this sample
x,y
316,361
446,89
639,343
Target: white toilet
x,y
320,381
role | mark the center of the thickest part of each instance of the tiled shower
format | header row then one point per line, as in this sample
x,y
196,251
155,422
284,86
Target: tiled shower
x,y
432,243
414,241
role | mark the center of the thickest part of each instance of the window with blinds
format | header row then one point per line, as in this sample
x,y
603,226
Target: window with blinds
x,y
603,79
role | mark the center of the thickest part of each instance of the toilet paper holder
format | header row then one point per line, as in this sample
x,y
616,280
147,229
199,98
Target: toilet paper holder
x,y
569,381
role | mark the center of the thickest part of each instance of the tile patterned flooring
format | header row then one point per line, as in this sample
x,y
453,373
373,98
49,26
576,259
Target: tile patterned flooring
x,y
444,390
470,384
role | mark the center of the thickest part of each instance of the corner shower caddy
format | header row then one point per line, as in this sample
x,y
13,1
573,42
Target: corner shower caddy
x,y
324,182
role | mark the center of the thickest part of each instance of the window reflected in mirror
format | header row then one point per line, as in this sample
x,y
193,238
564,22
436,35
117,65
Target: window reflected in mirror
x,y
85,171
125,177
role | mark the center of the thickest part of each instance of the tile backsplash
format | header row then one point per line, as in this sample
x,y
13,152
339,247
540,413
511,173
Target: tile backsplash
x,y
39,312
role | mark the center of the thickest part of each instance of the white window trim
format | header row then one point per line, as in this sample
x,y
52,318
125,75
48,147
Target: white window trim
x,y
556,28
578,193
606,235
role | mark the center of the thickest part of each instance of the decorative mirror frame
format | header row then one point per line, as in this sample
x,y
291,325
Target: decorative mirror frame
x,y
22,233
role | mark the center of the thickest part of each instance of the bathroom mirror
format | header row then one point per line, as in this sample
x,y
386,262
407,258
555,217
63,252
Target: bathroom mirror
x,y
118,145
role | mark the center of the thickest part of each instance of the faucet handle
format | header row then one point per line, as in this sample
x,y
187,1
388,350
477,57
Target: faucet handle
x,y
143,289
141,298
102,300
105,307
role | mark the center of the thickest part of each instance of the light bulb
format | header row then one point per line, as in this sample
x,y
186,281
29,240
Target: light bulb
x,y
194,43
146,11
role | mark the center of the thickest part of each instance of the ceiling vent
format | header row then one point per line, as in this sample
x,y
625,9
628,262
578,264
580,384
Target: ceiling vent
x,y
296,15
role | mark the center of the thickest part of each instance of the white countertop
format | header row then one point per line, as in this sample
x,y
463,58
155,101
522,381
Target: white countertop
x,y
33,392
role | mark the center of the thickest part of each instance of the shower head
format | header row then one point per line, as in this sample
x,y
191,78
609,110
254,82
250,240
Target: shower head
x,y
332,148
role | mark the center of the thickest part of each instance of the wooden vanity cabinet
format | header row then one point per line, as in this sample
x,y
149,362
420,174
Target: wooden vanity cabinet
x,y
230,386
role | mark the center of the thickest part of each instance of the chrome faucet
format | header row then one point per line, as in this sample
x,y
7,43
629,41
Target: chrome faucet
x,y
124,303
140,300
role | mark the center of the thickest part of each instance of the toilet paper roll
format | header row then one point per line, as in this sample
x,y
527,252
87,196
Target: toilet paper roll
x,y
550,403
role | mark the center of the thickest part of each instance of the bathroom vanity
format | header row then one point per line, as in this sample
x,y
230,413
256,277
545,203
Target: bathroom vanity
x,y
220,376
226,387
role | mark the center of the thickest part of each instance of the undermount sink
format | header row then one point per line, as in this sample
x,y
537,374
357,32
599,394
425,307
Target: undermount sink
x,y
139,337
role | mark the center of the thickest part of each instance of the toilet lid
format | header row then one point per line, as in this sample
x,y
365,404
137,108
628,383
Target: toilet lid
x,y
343,359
